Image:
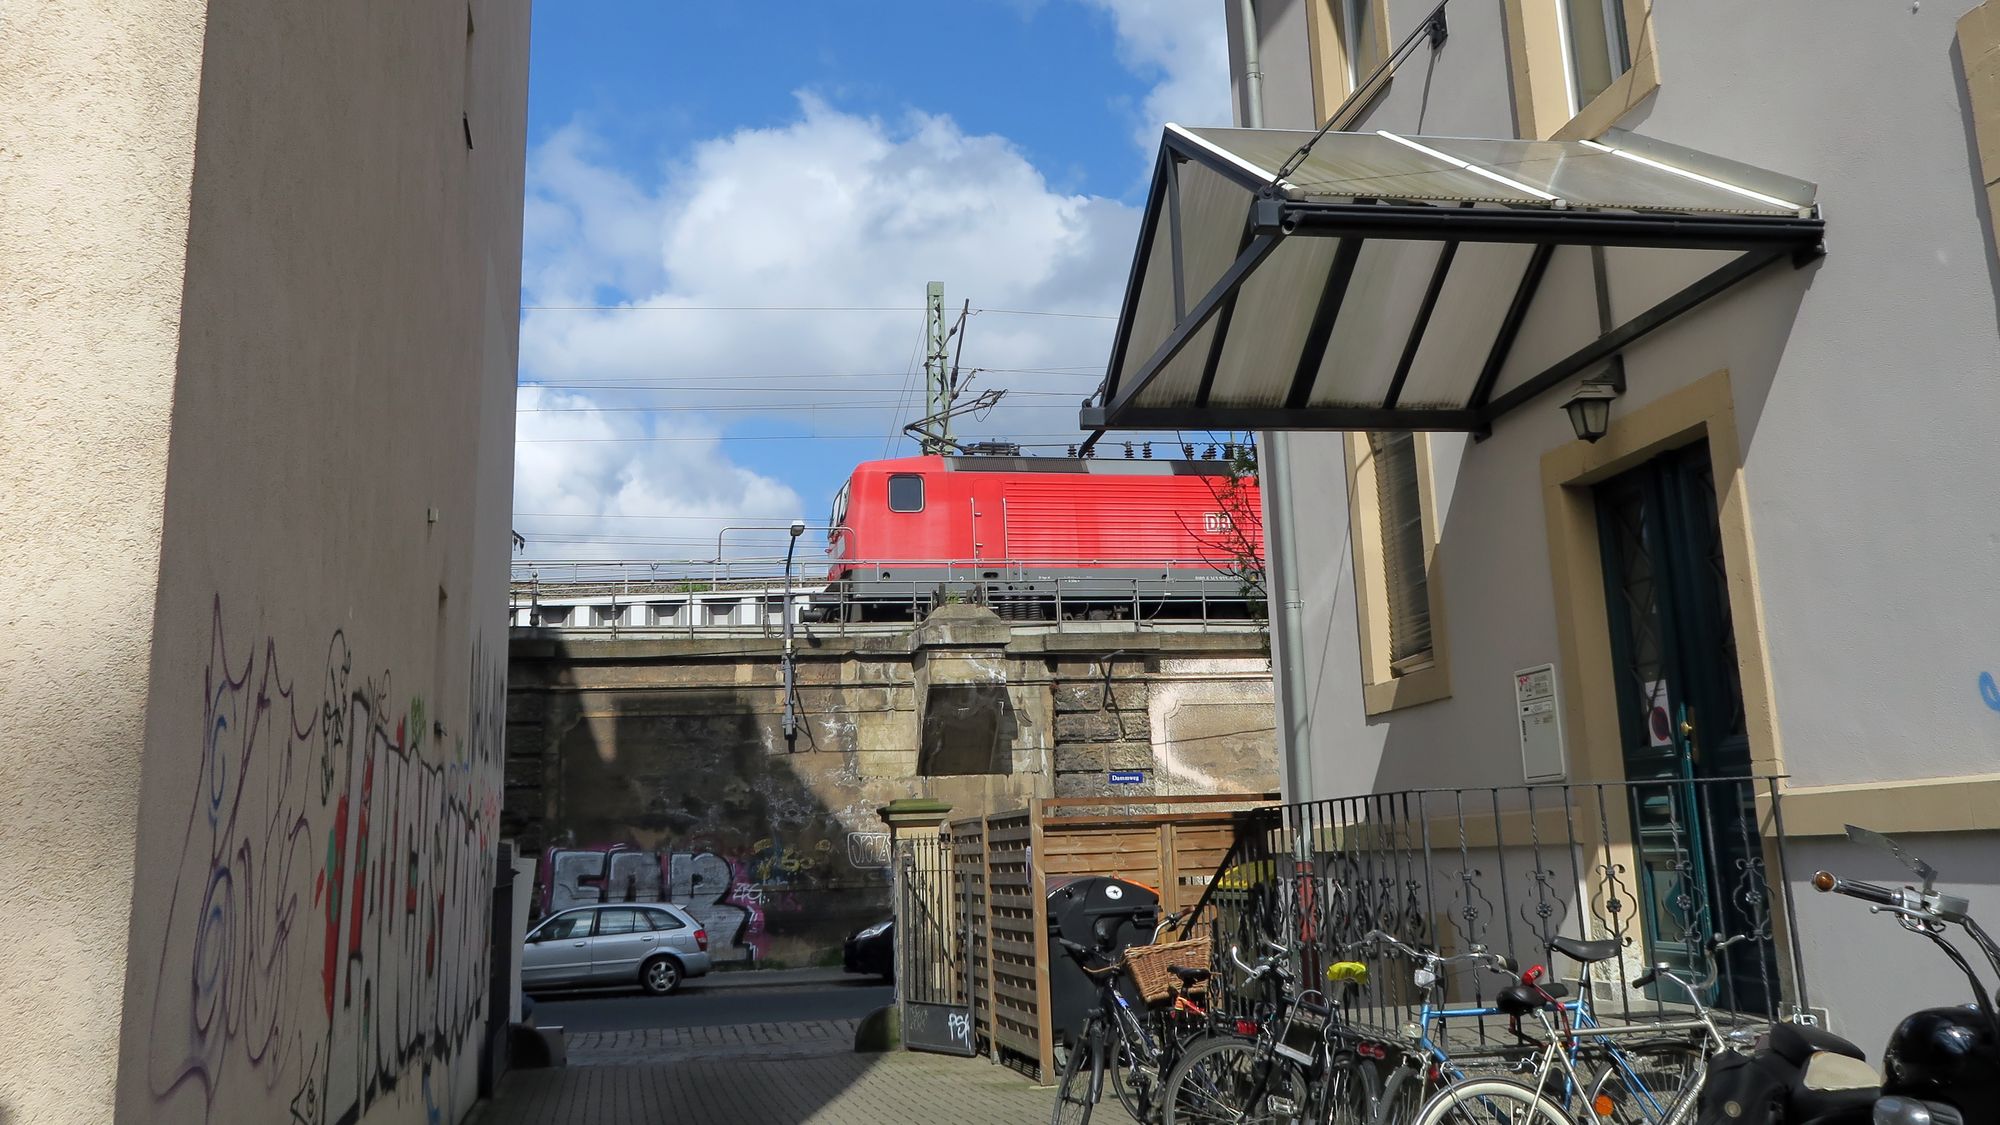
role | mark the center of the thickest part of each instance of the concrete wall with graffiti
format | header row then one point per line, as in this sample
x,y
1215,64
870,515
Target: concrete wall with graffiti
x,y
317,827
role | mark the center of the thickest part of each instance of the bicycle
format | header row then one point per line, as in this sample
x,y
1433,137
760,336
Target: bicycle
x,y
1115,1041
1619,1093
1292,1070
1423,1063
1640,1090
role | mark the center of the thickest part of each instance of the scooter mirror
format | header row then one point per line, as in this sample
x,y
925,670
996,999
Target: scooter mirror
x,y
1925,872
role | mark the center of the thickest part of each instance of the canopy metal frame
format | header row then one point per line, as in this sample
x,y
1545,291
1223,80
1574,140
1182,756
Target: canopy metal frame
x,y
1275,213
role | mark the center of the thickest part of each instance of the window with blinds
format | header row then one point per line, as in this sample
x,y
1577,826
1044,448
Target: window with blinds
x,y
1405,580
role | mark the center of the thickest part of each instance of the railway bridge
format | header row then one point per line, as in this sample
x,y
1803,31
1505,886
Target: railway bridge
x,y
652,762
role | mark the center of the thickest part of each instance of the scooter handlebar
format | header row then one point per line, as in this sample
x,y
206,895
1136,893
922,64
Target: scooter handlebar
x,y
1825,881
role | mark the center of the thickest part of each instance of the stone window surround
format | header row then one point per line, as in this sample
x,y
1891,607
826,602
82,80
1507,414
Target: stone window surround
x,y
1382,689
1540,72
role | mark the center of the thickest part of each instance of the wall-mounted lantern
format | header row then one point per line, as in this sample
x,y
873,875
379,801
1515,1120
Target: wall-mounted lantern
x,y
1589,409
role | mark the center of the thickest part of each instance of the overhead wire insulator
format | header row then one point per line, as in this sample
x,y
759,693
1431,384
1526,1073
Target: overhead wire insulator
x,y
1128,451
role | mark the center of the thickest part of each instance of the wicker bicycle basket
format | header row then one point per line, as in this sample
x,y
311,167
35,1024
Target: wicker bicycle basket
x,y
1149,967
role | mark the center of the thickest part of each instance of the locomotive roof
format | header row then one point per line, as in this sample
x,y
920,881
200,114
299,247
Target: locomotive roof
x,y
1162,467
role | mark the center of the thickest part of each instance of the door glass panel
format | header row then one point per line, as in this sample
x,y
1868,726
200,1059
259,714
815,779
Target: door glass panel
x,y
611,922
572,925
1680,705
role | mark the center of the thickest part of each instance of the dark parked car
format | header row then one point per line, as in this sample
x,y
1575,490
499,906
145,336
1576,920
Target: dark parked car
x,y
872,949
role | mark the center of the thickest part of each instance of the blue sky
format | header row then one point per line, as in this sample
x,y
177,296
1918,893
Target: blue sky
x,y
692,159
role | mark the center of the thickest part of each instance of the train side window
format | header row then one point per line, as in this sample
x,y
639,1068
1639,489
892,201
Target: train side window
x,y
906,493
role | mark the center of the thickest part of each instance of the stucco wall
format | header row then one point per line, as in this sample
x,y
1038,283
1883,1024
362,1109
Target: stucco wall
x,y
97,118
1863,391
318,820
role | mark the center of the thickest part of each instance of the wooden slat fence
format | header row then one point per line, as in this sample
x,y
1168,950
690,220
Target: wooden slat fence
x,y
1009,860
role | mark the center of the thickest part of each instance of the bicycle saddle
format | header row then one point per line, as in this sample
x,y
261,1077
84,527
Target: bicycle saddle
x,y
1521,999
1189,976
1588,952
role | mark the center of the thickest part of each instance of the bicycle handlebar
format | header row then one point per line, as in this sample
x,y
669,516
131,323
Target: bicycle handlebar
x,y
1266,967
1497,962
1714,945
1825,881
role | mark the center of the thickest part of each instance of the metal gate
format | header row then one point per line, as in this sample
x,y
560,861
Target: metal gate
x,y
934,939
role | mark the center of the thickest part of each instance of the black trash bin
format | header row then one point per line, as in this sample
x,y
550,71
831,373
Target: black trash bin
x,y
1102,913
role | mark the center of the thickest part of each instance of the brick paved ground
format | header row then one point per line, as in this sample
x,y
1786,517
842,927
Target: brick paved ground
x,y
843,1088
803,1039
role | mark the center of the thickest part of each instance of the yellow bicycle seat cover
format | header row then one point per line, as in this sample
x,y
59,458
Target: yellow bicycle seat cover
x,y
1348,972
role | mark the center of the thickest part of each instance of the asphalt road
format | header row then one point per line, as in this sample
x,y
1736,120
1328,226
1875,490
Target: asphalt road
x,y
631,1010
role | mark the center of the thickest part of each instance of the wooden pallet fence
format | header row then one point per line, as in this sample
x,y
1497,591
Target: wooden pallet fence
x,y
1009,860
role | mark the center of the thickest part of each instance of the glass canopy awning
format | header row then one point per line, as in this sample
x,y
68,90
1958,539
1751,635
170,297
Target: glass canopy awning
x,y
1418,283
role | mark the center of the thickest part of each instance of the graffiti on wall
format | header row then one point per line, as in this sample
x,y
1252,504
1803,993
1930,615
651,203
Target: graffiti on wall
x,y
325,943
1989,691
731,896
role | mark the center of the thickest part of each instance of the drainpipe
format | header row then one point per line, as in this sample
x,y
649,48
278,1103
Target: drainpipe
x,y
1253,68
1274,478
1281,586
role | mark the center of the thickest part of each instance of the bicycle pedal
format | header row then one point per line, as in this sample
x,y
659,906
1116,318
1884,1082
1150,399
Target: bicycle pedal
x,y
1282,1107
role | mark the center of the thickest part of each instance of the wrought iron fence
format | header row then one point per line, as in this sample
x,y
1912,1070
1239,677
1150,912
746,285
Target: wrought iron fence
x,y
1660,868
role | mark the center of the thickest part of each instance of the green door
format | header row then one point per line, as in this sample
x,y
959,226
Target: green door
x,y
1681,720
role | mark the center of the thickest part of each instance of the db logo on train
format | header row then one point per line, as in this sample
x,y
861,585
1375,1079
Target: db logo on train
x,y
1216,522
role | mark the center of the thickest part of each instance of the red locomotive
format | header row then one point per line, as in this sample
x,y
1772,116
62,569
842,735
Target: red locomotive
x,y
1042,537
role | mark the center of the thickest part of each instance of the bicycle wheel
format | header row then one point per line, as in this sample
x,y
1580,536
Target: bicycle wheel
x,y
1491,1101
1082,1078
1650,1089
1400,1095
1136,1080
1234,1081
1350,1091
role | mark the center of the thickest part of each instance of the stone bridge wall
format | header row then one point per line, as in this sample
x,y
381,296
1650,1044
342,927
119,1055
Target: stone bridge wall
x,y
658,768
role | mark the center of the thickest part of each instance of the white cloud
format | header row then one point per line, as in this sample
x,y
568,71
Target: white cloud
x,y
828,209
678,492
1183,44
832,209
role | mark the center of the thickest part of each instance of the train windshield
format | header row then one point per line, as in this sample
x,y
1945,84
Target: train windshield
x,y
839,515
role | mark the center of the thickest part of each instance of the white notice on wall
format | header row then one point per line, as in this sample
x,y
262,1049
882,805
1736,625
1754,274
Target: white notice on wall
x,y
1541,724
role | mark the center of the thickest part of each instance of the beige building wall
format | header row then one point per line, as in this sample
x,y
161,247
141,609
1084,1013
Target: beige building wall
x,y
258,316
1848,406
97,120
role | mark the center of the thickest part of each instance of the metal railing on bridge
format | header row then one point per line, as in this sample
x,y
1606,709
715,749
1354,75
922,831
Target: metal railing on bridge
x,y
740,595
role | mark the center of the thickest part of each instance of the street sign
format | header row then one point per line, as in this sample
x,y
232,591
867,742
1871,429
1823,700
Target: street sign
x,y
1128,777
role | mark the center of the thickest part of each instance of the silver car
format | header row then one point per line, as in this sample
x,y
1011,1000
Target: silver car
x,y
655,944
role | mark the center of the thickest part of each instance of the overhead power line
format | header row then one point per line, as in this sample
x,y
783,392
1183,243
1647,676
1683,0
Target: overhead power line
x,y
808,309
734,518
1094,370
764,407
1058,442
